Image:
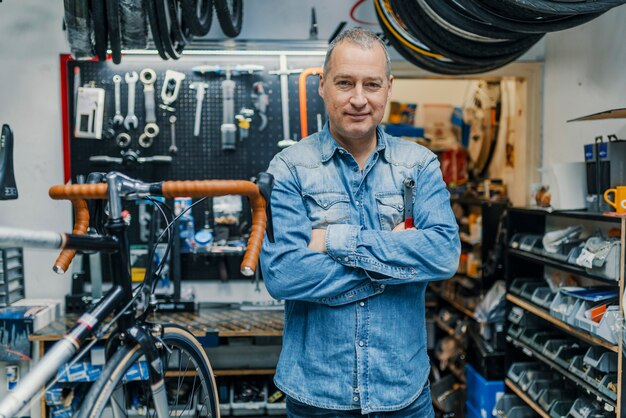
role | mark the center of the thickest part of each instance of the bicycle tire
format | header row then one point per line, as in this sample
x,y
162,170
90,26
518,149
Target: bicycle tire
x,y
115,31
230,16
111,389
455,47
551,7
78,28
168,24
153,20
198,23
100,32
482,12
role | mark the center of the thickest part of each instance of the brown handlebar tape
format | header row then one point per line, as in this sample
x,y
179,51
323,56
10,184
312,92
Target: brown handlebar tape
x,y
193,188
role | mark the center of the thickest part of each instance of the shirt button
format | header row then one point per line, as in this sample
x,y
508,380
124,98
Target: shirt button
x,y
356,390
356,169
361,343
382,286
357,203
356,399
346,259
362,303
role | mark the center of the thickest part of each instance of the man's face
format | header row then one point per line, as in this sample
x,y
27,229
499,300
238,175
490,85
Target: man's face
x,y
355,90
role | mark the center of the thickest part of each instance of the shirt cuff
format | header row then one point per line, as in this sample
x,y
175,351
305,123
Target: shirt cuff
x,y
341,243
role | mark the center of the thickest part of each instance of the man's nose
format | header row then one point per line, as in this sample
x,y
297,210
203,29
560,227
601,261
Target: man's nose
x,y
358,98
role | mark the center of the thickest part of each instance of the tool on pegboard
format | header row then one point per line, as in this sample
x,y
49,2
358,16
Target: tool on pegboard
x,y
228,127
171,86
200,89
8,188
284,73
130,158
261,101
89,112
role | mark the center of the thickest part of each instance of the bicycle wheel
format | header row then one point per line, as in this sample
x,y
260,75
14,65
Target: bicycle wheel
x,y
189,382
230,15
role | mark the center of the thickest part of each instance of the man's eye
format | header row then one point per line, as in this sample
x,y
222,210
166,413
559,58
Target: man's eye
x,y
343,83
373,86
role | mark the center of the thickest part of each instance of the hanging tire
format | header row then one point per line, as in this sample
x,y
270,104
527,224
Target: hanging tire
x,y
230,15
197,15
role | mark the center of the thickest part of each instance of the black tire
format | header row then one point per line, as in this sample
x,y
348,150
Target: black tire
x,y
563,8
111,391
153,19
458,17
197,15
78,26
100,31
115,32
230,15
453,46
168,24
481,11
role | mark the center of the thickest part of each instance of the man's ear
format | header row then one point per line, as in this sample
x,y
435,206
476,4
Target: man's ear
x,y
320,88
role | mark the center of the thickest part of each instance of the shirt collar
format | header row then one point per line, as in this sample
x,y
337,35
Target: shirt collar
x,y
328,145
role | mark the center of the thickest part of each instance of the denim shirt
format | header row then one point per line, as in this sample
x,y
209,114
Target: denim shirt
x,y
355,334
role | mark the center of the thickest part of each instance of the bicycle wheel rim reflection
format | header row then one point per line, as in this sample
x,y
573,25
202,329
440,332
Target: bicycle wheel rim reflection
x,y
189,382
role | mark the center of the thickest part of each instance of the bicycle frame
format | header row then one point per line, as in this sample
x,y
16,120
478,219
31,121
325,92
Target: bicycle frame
x,y
120,295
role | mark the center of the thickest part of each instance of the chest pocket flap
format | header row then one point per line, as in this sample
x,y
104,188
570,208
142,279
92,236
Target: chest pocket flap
x,y
326,208
390,209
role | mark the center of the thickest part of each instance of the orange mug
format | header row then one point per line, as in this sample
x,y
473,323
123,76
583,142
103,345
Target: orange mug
x,y
619,204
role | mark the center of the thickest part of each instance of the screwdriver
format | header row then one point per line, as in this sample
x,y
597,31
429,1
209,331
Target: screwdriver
x,y
409,185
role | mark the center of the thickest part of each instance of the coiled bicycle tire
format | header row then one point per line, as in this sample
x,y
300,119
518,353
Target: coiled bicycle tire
x,y
230,16
482,12
115,33
100,31
564,8
197,15
454,47
153,20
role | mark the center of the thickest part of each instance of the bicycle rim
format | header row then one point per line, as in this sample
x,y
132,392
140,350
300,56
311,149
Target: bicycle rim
x,y
189,382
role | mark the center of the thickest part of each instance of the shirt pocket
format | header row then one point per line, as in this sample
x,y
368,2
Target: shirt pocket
x,y
390,209
327,208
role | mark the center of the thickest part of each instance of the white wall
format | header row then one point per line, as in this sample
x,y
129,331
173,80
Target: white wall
x,y
585,72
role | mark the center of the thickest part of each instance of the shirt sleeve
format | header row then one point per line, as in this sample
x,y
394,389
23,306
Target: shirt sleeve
x,y
292,271
431,252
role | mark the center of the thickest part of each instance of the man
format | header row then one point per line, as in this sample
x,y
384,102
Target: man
x,y
352,277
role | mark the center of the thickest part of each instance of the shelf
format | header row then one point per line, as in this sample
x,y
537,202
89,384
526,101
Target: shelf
x,y
448,330
526,399
244,372
456,305
576,214
543,314
569,268
566,373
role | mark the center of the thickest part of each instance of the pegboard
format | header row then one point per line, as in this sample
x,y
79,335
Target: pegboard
x,y
198,157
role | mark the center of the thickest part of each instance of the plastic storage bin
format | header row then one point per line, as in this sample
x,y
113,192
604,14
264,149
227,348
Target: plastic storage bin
x,y
543,296
518,285
532,376
447,395
505,403
601,359
551,396
562,351
585,408
482,393
248,398
608,327
517,370
560,409
564,307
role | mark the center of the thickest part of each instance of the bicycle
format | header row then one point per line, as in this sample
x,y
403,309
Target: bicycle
x,y
175,360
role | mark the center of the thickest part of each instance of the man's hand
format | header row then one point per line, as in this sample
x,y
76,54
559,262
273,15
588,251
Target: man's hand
x,y
318,240
400,227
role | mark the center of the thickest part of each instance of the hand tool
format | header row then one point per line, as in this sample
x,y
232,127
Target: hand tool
x,y
131,121
409,185
283,72
145,141
200,89
123,140
173,148
148,77
261,100
171,86
118,118
244,117
228,127
130,158
89,113
8,188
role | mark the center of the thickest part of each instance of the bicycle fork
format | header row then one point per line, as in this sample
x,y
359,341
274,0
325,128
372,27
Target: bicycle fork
x,y
155,369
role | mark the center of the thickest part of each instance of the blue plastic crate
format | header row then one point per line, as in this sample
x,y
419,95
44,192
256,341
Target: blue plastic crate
x,y
481,393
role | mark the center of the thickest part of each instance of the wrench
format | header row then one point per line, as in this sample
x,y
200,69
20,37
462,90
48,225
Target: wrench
x,y
131,121
173,148
148,77
200,89
118,119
